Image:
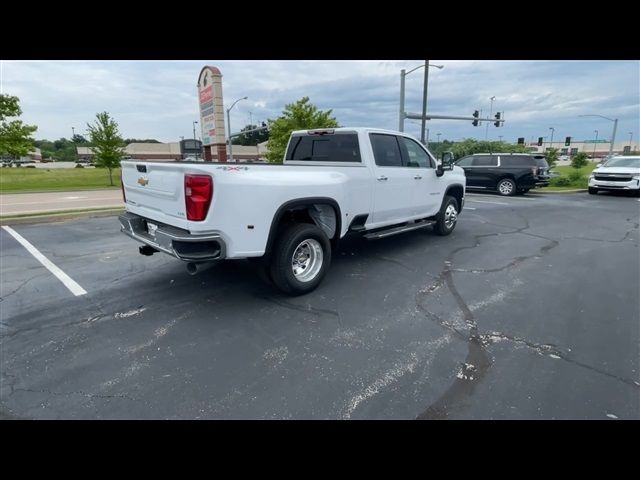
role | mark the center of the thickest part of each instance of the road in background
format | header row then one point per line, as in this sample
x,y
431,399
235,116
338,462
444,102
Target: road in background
x,y
28,203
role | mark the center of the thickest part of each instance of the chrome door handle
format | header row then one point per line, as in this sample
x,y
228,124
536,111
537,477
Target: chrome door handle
x,y
418,177
382,178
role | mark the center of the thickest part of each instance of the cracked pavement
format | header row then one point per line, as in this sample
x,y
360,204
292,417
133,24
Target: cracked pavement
x,y
528,310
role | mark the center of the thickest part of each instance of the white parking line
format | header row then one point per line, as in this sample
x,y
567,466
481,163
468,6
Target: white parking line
x,y
517,199
494,203
68,282
469,208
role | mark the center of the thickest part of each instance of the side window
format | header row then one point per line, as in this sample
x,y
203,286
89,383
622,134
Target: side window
x,y
516,161
464,162
485,161
415,154
386,150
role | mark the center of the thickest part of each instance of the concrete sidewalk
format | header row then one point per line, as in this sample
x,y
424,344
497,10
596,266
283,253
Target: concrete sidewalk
x,y
30,203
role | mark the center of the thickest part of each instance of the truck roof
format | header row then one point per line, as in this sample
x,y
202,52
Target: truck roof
x,y
349,129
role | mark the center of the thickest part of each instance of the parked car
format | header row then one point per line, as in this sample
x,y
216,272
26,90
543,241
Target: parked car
x,y
506,173
617,173
368,182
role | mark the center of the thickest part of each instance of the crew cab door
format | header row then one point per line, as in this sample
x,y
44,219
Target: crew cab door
x,y
393,189
426,186
484,171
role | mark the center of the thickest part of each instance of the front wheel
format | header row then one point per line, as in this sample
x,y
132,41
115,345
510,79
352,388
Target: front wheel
x,y
506,187
447,216
301,257
593,191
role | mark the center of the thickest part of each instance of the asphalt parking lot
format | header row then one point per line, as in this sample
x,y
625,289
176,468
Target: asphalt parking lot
x,y
529,310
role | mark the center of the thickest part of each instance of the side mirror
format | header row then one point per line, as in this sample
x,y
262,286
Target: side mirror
x,y
447,159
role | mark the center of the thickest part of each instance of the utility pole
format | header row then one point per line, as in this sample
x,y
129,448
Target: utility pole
x,y
486,131
552,132
424,100
401,121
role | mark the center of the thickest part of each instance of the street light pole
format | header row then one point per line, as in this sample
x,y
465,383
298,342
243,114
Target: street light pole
x,y
552,132
438,134
403,74
595,144
229,127
424,101
486,131
630,137
73,130
615,128
401,121
194,134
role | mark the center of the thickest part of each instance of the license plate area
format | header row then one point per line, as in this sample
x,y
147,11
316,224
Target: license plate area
x,y
150,228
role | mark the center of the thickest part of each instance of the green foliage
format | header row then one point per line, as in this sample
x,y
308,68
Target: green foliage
x,y
580,160
469,146
79,165
576,176
560,182
300,115
552,156
438,148
253,138
15,137
108,146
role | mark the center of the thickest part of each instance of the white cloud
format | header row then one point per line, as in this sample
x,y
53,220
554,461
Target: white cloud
x,y
152,99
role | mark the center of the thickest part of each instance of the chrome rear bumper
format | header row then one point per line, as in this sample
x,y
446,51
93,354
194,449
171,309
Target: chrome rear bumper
x,y
171,240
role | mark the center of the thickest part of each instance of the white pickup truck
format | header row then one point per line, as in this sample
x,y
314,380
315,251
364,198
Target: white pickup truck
x,y
332,182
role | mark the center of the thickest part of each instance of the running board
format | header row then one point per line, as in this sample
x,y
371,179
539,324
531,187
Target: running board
x,y
396,230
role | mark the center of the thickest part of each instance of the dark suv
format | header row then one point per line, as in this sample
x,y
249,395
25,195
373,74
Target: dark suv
x,y
507,173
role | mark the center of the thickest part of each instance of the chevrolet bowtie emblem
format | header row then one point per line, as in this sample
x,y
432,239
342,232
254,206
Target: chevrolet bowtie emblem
x,y
143,181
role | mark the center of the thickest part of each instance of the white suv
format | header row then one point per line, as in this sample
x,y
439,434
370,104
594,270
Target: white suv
x,y
617,173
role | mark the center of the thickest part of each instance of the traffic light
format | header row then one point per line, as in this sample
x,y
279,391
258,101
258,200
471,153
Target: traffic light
x,y
497,122
520,140
567,141
476,114
540,141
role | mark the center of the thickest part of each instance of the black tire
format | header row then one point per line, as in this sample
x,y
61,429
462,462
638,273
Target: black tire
x,y
281,266
441,227
593,191
506,187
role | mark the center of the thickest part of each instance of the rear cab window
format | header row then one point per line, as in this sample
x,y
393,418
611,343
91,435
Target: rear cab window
x,y
338,147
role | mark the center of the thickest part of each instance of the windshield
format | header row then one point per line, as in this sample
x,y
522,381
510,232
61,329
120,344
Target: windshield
x,y
623,162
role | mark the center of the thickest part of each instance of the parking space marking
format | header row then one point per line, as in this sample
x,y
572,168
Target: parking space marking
x,y
469,208
517,199
494,203
68,282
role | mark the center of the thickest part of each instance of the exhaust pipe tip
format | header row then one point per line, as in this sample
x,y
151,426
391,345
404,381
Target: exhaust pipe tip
x,y
193,268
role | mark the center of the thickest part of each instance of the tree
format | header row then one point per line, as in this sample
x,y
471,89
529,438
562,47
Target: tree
x,y
78,139
108,146
15,136
580,160
469,146
253,138
300,115
552,156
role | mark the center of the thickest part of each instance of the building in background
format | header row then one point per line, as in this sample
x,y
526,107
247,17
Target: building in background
x,y
172,151
594,150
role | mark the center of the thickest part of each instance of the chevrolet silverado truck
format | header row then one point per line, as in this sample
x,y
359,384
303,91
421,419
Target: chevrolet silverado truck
x,y
289,217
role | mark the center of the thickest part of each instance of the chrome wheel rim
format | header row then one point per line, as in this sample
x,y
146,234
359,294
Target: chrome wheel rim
x,y
450,216
505,188
306,260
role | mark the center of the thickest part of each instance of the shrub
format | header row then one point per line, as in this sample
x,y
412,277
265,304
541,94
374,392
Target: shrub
x,y
78,165
580,160
575,176
560,182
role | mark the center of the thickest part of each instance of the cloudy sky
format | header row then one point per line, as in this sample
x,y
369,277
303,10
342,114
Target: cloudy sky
x,y
157,99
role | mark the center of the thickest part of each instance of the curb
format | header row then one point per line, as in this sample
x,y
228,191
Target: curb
x,y
47,217
560,191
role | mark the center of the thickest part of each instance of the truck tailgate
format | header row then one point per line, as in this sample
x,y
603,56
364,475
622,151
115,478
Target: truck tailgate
x,y
156,191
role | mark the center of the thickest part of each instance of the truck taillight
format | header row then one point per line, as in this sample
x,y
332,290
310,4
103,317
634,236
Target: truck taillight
x,y
198,192
534,170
